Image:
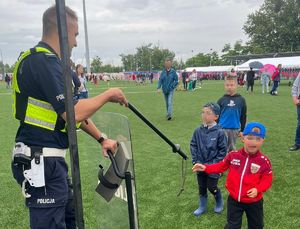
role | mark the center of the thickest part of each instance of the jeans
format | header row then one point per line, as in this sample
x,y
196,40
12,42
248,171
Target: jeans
x,y
169,103
265,84
297,138
275,86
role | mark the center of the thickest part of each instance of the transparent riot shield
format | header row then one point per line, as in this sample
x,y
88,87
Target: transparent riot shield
x,y
116,206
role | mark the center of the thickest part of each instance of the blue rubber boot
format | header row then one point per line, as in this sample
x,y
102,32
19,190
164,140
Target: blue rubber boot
x,y
219,202
202,206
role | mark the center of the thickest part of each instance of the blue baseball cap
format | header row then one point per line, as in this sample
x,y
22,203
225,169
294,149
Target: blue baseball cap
x,y
256,129
214,107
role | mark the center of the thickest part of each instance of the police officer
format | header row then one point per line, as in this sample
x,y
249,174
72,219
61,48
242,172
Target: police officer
x,y
41,141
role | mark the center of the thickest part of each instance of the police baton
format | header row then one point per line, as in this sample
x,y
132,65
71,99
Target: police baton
x,y
73,147
175,147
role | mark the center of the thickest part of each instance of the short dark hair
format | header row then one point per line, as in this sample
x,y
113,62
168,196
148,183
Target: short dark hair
x,y
50,18
231,77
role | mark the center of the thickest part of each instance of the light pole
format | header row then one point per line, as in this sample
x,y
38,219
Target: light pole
x,y
3,70
210,57
87,52
150,64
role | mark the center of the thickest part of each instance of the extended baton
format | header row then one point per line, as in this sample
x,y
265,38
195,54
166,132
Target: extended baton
x,y
175,147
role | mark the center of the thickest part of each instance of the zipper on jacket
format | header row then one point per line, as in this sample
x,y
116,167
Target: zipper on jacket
x,y
243,173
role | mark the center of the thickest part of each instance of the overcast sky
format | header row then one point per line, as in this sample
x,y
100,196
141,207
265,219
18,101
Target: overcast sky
x,y
118,26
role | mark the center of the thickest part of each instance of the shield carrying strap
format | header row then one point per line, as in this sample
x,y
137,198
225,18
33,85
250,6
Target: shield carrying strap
x,y
104,181
183,176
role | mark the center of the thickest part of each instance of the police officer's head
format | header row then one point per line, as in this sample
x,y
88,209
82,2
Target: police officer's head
x,y
50,29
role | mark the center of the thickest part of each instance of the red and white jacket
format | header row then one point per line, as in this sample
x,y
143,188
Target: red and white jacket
x,y
245,172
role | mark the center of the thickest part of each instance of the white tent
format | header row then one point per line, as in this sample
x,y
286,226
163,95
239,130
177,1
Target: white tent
x,y
287,62
211,69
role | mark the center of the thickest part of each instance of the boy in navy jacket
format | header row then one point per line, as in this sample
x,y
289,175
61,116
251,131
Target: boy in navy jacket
x,y
209,146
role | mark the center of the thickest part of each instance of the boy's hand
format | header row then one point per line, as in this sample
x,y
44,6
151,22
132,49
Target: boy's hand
x,y
252,193
198,168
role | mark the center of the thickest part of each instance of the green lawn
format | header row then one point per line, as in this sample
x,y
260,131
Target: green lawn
x,y
158,170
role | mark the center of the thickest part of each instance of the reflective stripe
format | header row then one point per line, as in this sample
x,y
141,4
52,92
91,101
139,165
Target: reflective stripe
x,y
39,123
40,103
40,113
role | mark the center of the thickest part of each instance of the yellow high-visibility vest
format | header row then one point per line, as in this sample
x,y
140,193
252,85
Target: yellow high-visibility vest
x,y
31,110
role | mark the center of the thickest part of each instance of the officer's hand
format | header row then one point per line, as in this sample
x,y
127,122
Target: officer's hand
x,y
116,95
198,167
109,144
158,90
252,193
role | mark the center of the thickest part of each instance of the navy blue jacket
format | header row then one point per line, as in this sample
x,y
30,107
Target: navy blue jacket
x,y
168,81
208,146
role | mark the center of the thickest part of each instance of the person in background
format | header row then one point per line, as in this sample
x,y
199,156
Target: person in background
x,y
250,79
265,80
168,81
276,80
194,78
296,100
184,79
83,91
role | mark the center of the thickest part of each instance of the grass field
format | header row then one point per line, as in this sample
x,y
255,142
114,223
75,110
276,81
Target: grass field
x,y
158,170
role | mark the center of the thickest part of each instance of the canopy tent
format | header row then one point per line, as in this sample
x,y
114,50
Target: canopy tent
x,y
226,68
287,62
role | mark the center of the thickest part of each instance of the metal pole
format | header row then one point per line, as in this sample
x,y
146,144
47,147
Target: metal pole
x,y
175,148
131,214
3,70
87,52
65,57
210,58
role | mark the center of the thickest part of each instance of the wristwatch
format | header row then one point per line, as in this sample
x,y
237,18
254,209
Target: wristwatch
x,y
102,138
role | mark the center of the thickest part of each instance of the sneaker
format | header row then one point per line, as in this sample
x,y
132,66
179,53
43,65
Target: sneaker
x,y
294,148
169,118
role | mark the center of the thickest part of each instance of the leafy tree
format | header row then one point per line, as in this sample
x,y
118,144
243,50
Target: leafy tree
x,y
146,58
275,27
96,64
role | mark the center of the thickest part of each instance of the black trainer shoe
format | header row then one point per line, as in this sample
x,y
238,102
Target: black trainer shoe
x,y
294,148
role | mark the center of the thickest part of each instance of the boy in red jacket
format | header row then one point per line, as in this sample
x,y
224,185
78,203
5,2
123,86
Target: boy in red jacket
x,y
250,175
